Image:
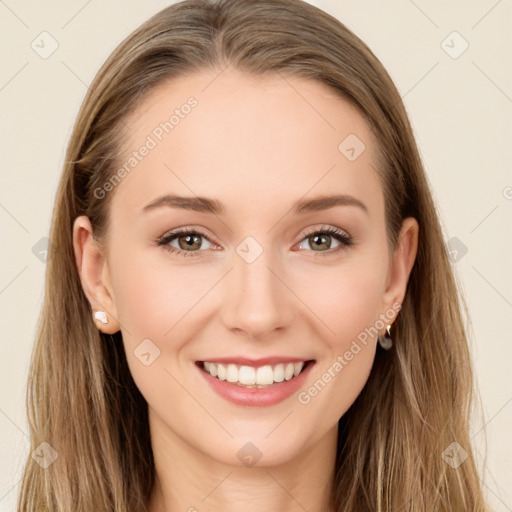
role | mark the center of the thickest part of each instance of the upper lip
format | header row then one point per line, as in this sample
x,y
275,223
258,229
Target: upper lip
x,y
244,361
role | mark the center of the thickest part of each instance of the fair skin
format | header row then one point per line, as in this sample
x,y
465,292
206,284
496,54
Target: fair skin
x,y
257,145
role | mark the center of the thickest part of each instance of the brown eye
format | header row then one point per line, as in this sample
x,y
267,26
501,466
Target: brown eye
x,y
188,242
320,241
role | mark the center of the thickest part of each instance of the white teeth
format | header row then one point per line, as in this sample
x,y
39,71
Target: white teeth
x,y
264,375
247,375
278,373
221,371
232,373
288,371
250,376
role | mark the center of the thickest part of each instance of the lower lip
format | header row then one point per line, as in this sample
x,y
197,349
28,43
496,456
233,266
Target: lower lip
x,y
256,397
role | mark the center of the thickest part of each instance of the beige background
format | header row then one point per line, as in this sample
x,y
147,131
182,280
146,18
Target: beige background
x,y
460,109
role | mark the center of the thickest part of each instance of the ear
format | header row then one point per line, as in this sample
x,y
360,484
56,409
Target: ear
x,y
403,260
93,271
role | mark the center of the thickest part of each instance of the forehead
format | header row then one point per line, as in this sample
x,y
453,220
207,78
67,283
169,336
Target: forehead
x,y
230,134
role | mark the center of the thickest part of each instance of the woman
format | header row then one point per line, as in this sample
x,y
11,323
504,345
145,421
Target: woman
x,y
249,303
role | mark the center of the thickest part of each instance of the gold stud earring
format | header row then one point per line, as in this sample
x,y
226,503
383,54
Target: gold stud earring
x,y
385,340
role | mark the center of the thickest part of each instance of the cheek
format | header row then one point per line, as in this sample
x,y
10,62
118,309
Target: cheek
x,y
161,309
348,300
347,297
152,296
155,306
337,382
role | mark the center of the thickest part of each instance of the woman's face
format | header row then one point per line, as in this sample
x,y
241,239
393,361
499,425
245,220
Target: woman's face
x,y
258,276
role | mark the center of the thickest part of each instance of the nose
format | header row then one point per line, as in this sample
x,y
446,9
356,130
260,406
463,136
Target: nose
x,y
256,299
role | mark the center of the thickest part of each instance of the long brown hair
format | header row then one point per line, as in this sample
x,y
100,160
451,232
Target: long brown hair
x,y
81,398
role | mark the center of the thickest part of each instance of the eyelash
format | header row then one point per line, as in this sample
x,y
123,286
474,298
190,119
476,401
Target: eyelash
x,y
343,237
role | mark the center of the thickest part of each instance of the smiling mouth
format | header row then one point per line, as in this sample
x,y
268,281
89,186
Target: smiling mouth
x,y
254,377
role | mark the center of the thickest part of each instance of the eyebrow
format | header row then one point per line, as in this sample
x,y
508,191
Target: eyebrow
x,y
207,205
